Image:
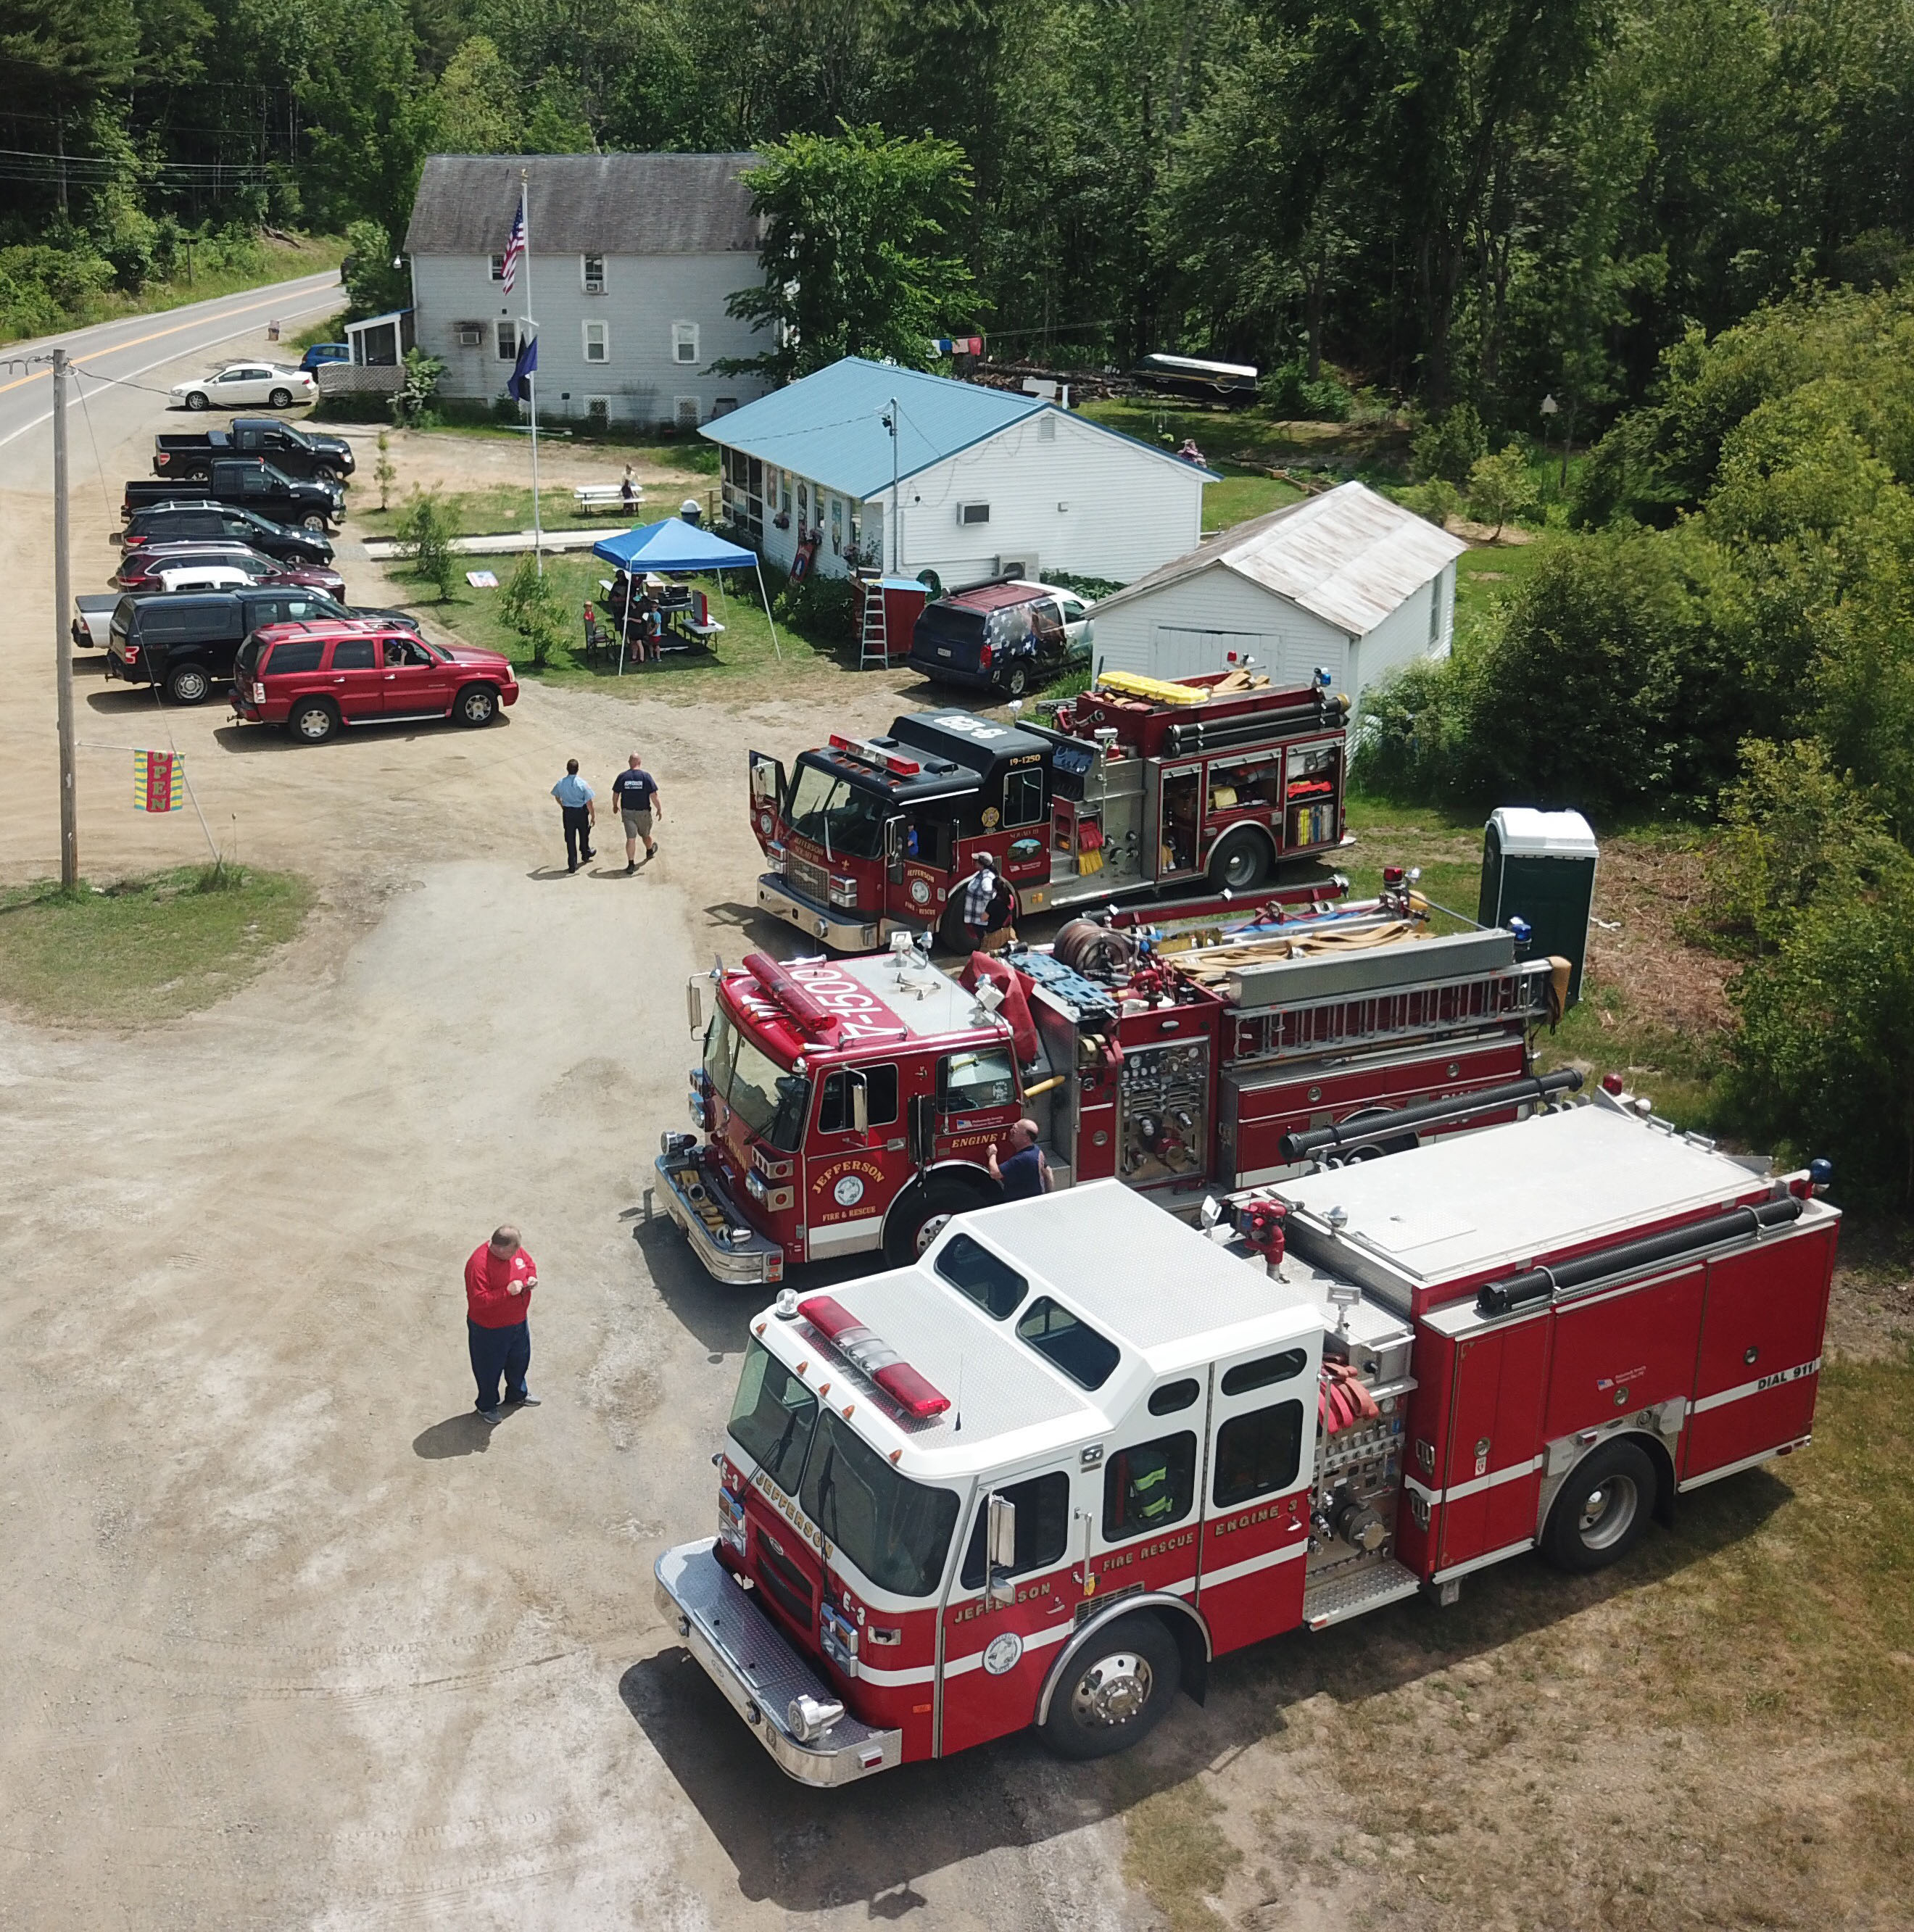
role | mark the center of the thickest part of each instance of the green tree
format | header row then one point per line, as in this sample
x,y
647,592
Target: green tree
x,y
425,534
373,286
476,109
1501,489
857,254
1449,446
384,473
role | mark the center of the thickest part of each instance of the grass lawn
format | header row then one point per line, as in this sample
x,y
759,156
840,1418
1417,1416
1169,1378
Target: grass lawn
x,y
1253,439
691,453
144,950
480,512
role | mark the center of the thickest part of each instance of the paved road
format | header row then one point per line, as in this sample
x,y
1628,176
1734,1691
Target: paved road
x,y
112,357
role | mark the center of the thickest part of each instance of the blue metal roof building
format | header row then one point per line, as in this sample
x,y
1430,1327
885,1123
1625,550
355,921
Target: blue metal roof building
x,y
988,483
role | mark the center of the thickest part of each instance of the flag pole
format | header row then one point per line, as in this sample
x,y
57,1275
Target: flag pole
x,y
532,380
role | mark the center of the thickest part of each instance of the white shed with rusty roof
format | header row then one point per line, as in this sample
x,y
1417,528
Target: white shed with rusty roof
x,y
1347,582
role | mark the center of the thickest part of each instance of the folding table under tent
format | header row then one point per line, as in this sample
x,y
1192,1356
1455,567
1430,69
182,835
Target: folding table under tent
x,y
673,545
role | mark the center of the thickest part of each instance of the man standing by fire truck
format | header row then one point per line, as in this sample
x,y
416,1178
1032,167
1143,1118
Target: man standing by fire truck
x,y
986,901
499,1277
1024,1173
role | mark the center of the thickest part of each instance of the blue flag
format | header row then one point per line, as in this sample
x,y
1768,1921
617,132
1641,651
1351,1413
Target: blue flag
x,y
521,370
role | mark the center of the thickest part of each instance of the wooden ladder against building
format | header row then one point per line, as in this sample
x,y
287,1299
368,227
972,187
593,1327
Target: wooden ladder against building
x,y
873,639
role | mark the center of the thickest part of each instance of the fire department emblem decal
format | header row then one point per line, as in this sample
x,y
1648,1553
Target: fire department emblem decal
x,y
848,1191
1003,1653
920,891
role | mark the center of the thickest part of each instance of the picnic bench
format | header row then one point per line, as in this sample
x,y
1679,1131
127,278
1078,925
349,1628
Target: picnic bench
x,y
605,497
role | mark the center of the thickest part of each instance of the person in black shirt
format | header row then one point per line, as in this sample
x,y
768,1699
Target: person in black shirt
x,y
1025,1174
636,791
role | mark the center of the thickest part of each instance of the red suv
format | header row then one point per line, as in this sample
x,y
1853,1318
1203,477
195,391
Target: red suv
x,y
315,677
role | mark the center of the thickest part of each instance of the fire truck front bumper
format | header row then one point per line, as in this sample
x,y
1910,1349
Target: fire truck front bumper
x,y
759,1674
720,1236
840,929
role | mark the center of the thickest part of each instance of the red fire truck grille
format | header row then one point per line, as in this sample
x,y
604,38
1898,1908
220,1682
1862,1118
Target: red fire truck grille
x,y
803,877
786,1584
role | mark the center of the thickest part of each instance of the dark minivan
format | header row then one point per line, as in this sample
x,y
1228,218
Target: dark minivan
x,y
185,642
204,522
1003,636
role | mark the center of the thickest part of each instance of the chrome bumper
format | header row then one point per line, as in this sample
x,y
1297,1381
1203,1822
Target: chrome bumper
x,y
842,932
700,1204
759,1673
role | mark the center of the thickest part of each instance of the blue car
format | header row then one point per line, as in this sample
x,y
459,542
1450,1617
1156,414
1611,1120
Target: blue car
x,y
325,351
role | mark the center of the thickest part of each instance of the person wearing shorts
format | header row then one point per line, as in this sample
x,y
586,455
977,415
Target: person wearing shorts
x,y
637,793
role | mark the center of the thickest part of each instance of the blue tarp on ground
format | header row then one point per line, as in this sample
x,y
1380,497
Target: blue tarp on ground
x,y
673,545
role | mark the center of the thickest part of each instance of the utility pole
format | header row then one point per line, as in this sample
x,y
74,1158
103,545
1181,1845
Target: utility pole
x,y
62,637
896,529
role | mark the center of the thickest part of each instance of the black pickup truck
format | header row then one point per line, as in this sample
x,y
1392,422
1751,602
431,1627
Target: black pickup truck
x,y
253,482
302,454
185,641
199,519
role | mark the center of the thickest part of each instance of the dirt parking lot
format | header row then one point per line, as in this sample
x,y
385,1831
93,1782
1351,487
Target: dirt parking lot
x,y
297,1641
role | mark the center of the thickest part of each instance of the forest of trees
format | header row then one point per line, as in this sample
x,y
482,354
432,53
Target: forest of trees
x,y
1447,199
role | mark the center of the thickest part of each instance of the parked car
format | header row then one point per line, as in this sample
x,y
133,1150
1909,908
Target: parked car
x,y
185,643
198,520
314,678
301,453
320,353
250,480
243,385
1005,637
139,568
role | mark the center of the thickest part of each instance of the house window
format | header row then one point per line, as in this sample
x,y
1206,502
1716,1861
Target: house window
x,y
803,510
1435,609
684,410
785,481
684,342
592,267
597,341
498,268
973,513
507,335
837,525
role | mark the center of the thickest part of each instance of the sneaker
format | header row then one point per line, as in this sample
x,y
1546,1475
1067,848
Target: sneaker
x,y
526,1400
492,1415
630,866
651,851
570,869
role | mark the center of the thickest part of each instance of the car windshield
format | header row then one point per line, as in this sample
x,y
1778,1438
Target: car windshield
x,y
773,1415
842,817
895,1531
771,1100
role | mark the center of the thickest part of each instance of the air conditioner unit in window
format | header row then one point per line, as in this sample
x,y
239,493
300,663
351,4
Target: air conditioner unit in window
x,y
973,513
595,288
471,334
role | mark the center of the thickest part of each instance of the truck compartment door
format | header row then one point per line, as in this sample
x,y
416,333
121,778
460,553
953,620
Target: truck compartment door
x,y
1175,824
1491,1465
1617,1354
1758,1369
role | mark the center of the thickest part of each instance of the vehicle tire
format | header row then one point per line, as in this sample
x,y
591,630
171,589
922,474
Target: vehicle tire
x,y
326,474
920,1211
196,399
1115,1691
279,399
188,684
312,520
1240,860
1602,1510
477,705
1016,680
314,720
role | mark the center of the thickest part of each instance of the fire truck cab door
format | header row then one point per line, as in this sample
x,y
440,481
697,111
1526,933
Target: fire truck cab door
x,y
1259,1461
767,794
976,1101
856,1158
997,1654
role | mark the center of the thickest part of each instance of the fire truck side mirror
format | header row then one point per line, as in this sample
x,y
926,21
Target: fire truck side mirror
x,y
923,1123
695,1005
1000,1538
860,1104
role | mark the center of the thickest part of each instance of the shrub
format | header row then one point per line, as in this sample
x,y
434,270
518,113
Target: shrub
x,y
1289,391
1501,489
530,603
1438,499
412,405
1449,446
425,534
1094,588
383,472
823,608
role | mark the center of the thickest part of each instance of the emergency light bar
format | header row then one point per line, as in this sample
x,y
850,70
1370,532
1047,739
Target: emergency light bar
x,y
875,754
867,1353
784,990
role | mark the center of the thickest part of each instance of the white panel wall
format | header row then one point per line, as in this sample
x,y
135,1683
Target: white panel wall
x,y
1157,628
1417,628
644,296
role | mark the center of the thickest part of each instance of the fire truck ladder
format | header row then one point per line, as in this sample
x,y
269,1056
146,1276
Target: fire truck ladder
x,y
873,638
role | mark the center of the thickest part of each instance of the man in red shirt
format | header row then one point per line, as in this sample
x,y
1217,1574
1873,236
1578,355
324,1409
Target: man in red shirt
x,y
499,1278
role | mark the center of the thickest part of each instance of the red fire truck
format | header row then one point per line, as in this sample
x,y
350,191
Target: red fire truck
x,y
849,1105
1143,783
1047,1472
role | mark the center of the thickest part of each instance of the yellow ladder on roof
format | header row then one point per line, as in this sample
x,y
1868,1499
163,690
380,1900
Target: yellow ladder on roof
x,y
1152,690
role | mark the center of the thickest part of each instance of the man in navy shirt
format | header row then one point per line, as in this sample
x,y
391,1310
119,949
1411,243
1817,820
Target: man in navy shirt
x,y
1026,1173
575,801
636,791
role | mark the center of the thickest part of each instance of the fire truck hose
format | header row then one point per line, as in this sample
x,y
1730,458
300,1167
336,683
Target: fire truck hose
x,y
1500,1297
1343,1398
1431,1113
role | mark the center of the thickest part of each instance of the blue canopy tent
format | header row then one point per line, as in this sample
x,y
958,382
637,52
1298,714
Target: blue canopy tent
x,y
675,545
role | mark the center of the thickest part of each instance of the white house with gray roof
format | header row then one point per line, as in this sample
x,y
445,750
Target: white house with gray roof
x,y
633,259
1347,582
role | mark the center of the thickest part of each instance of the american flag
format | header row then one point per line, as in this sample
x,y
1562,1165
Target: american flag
x,y
515,249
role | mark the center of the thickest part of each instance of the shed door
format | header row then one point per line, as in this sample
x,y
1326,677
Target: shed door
x,y
1178,651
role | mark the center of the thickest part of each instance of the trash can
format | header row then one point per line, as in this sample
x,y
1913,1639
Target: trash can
x,y
1540,866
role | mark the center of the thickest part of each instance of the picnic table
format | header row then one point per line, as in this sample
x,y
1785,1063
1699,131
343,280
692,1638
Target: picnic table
x,y
606,496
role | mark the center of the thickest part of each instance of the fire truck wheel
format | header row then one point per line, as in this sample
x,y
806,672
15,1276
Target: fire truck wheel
x,y
1115,1691
1602,1509
919,1215
1240,860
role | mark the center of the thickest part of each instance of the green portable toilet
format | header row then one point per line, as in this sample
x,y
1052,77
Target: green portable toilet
x,y
1540,866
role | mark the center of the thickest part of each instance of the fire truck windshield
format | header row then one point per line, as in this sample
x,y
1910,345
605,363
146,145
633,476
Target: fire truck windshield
x,y
895,1531
847,820
769,1099
771,1417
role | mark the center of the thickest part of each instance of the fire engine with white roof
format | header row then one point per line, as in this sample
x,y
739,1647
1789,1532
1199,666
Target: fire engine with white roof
x,y
1142,783
848,1106
1047,1473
